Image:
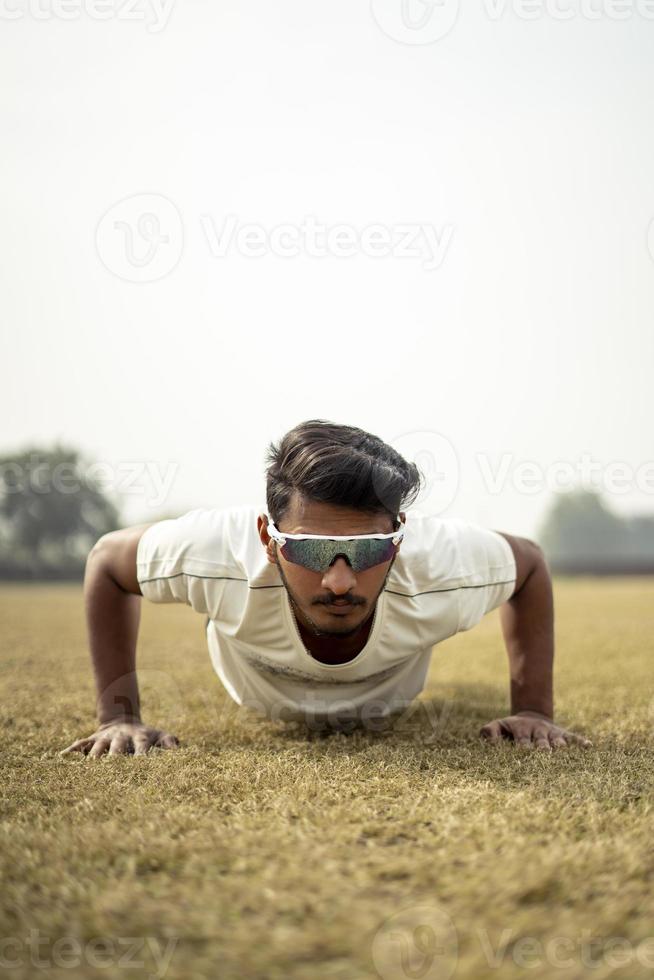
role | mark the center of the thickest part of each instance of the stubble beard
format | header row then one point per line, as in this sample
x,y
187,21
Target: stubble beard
x,y
310,625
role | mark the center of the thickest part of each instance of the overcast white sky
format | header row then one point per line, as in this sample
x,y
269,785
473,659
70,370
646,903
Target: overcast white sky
x,y
512,158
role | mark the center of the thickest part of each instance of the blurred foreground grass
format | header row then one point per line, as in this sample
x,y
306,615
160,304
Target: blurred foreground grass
x,y
261,850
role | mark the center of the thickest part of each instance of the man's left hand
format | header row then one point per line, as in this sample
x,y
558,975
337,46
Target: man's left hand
x,y
532,730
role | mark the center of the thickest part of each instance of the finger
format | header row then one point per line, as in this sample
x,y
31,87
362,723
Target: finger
x,y
101,746
521,731
574,739
120,745
541,738
142,743
523,741
492,732
167,742
79,746
557,741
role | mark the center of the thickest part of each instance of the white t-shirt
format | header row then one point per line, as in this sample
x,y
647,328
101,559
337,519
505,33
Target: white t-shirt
x,y
447,574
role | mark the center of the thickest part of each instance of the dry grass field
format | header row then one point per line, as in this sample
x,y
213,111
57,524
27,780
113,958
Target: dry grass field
x,y
261,850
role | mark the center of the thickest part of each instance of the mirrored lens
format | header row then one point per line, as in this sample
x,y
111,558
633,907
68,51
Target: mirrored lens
x,y
319,555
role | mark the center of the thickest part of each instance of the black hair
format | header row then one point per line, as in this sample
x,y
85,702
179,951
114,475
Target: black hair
x,y
341,465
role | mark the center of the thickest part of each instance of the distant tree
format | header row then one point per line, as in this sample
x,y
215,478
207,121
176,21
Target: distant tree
x,y
580,534
52,509
640,531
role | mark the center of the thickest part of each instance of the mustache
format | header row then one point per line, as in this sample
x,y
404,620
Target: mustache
x,y
349,600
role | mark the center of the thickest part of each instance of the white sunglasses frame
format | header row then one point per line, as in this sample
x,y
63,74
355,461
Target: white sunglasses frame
x,y
281,536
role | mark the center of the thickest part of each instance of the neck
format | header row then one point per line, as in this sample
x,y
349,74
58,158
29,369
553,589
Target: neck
x,y
336,649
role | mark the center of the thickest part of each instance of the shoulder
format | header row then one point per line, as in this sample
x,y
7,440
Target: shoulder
x,y
203,538
449,552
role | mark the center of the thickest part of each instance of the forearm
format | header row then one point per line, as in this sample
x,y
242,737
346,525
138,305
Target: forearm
x,y
528,627
112,596
112,616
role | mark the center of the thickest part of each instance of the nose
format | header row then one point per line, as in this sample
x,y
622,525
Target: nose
x,y
339,578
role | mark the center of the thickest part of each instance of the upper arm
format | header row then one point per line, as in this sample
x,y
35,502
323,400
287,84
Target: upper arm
x,y
527,555
486,571
192,558
116,552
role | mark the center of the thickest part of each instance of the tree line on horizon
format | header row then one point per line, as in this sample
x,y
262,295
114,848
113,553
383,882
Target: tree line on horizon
x,y
53,512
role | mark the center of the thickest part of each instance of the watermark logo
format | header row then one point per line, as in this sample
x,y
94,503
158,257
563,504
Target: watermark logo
x,y
417,942
415,21
141,238
437,460
422,942
426,21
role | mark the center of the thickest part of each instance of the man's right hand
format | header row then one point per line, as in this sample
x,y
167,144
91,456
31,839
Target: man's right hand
x,y
122,738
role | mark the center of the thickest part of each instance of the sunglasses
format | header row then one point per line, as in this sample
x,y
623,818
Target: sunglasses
x,y
317,551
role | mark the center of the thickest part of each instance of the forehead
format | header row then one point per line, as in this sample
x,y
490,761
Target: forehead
x,y
313,517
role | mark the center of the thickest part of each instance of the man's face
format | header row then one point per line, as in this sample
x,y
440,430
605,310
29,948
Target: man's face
x,y
312,593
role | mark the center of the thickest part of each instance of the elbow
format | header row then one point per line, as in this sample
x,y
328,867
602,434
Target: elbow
x,y
102,550
530,561
537,552
113,556
539,555
536,560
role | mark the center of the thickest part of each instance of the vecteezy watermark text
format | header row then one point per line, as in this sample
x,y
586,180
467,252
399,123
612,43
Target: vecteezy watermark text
x,y
426,21
314,239
422,720
155,14
148,478
422,940
616,477
141,239
440,464
68,952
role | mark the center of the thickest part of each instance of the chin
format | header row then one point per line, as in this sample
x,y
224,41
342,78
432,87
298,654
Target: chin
x,y
328,622
332,631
